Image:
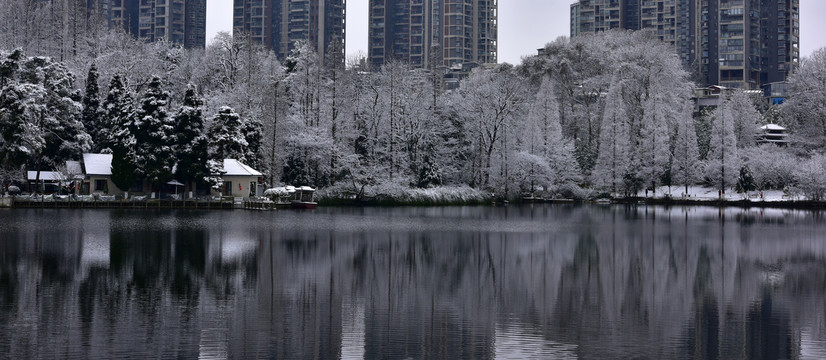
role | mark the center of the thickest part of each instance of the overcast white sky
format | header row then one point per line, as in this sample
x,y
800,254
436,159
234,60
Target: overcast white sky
x,y
524,25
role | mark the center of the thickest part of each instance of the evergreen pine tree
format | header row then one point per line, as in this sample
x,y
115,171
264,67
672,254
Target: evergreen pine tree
x,y
429,175
154,137
123,174
91,116
252,132
119,138
40,114
226,138
192,147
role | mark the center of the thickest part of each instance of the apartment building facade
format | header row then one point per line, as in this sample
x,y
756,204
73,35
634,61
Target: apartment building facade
x,y
432,33
279,24
178,21
734,43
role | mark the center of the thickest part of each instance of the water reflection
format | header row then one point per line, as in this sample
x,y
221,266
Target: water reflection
x,y
477,282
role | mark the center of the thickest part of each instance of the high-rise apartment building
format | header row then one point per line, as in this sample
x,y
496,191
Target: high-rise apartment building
x,y
279,24
779,39
575,19
733,43
178,21
123,14
423,33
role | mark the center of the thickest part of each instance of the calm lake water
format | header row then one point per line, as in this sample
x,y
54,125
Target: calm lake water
x,y
546,281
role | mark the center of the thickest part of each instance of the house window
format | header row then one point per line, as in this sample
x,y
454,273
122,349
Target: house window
x,y
227,188
100,185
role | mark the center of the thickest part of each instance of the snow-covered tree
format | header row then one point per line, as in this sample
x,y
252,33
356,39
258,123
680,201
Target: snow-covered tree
x,y
806,106
809,177
40,117
118,134
745,118
21,114
614,149
226,137
651,150
155,139
489,101
772,167
252,131
542,136
723,162
191,142
66,137
685,160
118,116
92,117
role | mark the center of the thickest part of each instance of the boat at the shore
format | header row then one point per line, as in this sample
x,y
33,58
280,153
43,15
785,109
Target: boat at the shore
x,y
292,197
303,198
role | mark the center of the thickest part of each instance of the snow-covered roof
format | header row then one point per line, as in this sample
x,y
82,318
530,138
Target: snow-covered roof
x,y
74,168
772,127
45,175
98,164
234,167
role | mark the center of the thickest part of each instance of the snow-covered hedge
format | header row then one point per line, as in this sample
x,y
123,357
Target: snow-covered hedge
x,y
399,194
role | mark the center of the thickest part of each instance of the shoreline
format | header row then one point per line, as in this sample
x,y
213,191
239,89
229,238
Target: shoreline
x,y
741,203
9,203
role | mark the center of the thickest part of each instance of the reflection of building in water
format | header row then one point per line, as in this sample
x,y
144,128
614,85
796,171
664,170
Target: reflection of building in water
x,y
662,283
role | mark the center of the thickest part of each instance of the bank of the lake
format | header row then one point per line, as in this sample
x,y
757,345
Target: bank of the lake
x,y
389,196
465,196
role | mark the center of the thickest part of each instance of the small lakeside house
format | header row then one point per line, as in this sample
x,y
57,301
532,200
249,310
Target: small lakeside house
x,y
48,181
97,171
67,180
92,175
241,180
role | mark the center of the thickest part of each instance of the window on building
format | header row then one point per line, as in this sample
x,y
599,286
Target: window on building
x,y
100,185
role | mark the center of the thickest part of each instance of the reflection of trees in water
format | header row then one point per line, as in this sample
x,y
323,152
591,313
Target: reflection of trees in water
x,y
649,290
417,301
144,298
614,281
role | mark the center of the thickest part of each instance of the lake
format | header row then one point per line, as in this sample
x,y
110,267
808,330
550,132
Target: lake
x,y
541,281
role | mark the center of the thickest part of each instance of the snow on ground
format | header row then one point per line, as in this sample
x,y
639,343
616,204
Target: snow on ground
x,y
707,193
